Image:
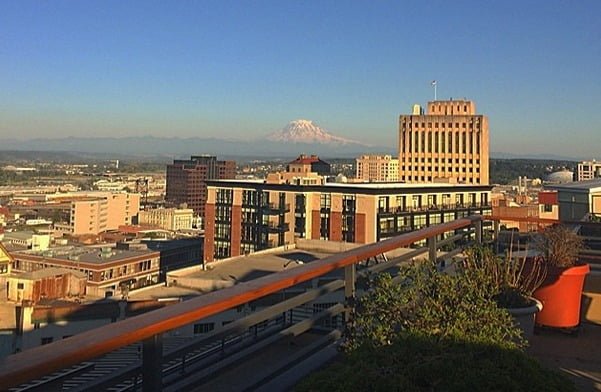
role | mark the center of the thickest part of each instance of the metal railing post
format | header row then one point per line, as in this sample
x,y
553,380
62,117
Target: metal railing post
x,y
432,249
349,289
478,229
152,358
496,230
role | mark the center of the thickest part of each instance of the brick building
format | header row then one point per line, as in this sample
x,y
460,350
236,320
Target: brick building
x,y
107,269
246,216
186,180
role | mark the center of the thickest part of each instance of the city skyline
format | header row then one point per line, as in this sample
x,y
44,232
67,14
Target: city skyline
x,y
208,69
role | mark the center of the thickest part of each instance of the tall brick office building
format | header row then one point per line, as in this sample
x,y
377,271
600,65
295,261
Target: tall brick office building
x,y
447,143
186,180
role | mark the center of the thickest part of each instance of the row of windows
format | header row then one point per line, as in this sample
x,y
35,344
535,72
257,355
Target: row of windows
x,y
441,160
462,180
224,196
442,168
417,201
442,125
443,142
393,225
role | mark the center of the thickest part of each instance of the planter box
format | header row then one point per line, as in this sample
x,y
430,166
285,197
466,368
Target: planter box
x,y
524,317
561,296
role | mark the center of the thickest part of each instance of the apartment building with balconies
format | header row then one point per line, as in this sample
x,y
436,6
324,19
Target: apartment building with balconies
x,y
246,216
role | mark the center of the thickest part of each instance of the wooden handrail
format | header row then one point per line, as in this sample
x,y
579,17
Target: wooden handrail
x,y
39,361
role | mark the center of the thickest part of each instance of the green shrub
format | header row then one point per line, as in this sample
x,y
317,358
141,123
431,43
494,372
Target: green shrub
x,y
433,332
510,281
432,304
420,363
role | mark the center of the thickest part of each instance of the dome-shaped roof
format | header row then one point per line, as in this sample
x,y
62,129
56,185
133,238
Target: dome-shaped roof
x,y
341,178
561,176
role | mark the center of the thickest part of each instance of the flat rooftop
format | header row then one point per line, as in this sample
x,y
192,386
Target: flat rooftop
x,y
594,184
373,186
94,255
243,269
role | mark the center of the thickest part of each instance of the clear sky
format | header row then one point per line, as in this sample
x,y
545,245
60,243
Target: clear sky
x,y
242,69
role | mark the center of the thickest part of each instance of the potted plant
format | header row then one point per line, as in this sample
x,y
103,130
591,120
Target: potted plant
x,y
561,291
511,282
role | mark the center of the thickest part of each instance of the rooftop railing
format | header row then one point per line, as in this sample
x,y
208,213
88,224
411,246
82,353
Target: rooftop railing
x,y
149,328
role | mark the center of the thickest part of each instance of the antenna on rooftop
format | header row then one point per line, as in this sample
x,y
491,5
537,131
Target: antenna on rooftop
x,y
434,85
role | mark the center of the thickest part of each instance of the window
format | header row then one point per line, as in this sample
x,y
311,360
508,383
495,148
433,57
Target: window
x,y
383,204
416,201
401,202
548,207
203,328
325,200
20,286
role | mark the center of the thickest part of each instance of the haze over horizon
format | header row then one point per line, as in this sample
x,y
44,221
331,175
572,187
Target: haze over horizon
x,y
241,70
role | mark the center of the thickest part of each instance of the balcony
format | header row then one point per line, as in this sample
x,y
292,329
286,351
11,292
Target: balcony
x,y
273,227
275,208
293,331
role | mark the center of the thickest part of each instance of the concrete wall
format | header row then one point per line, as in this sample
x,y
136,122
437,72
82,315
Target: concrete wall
x,y
592,297
324,246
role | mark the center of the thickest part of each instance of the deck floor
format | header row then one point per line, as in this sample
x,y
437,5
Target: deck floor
x,y
578,355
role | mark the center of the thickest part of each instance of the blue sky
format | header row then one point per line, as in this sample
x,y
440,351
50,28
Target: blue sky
x,y
242,69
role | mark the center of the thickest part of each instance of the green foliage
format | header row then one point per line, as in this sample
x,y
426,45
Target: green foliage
x,y
432,304
433,332
507,171
415,362
510,281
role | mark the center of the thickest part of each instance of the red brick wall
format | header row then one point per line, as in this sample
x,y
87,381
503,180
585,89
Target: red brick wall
x,y
209,245
315,224
547,198
335,226
360,228
236,230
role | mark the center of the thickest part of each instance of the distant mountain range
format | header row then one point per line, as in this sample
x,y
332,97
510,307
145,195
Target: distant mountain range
x,y
299,136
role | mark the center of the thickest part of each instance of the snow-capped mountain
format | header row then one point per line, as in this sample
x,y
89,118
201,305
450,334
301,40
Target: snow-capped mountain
x,y
305,131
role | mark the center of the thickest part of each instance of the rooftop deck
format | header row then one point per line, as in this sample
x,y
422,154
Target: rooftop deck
x,y
577,356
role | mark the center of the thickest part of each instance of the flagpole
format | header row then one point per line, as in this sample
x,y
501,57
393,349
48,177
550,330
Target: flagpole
x,y
435,91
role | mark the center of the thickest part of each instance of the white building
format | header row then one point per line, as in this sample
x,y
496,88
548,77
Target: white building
x,y
173,219
378,168
587,170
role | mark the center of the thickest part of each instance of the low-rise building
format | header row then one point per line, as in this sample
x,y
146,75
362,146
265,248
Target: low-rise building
x,y
377,168
27,240
588,170
46,283
309,164
109,270
6,261
576,199
172,219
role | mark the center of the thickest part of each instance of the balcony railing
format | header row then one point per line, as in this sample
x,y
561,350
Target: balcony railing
x,y
434,207
275,208
149,327
273,227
